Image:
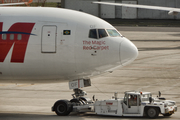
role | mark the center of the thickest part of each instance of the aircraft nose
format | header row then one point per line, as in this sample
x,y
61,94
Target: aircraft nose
x,y
128,52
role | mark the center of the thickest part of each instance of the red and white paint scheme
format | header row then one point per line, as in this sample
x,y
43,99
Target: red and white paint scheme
x,y
45,44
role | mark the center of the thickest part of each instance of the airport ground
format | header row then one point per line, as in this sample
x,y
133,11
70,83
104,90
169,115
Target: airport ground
x,y
157,68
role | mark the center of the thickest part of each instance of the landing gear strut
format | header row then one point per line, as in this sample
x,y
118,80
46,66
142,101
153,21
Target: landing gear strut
x,y
64,107
79,96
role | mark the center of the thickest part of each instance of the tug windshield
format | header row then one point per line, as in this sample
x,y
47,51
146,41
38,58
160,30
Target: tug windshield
x,y
145,97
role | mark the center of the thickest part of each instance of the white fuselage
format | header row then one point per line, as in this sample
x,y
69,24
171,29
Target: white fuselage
x,y
53,44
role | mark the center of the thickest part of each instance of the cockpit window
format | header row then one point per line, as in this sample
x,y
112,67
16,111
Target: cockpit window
x,y
113,33
102,33
93,33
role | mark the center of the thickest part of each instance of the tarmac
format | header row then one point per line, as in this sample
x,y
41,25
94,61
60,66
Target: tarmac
x,y
157,68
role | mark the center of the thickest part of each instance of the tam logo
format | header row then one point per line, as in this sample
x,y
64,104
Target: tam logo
x,y
17,35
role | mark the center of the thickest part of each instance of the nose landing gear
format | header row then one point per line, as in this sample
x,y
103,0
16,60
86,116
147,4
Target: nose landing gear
x,y
65,107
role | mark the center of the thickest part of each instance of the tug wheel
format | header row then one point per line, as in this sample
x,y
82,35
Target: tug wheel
x,y
152,113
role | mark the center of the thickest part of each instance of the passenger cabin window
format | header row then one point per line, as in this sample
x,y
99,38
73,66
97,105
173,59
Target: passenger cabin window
x,y
113,33
11,36
102,33
4,36
19,36
93,33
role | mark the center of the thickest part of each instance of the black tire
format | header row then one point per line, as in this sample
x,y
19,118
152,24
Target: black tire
x,y
167,115
62,108
152,112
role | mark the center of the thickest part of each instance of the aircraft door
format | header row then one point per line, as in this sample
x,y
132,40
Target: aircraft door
x,y
131,104
48,43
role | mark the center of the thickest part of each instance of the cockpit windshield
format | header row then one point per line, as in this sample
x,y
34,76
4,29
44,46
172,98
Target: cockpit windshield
x,y
101,33
93,34
113,33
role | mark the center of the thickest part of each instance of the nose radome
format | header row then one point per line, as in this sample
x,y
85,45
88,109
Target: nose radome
x,y
128,52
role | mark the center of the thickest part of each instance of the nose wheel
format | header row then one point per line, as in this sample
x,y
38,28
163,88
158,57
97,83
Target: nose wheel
x,y
62,107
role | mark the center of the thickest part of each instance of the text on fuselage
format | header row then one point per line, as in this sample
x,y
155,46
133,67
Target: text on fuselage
x,y
95,45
